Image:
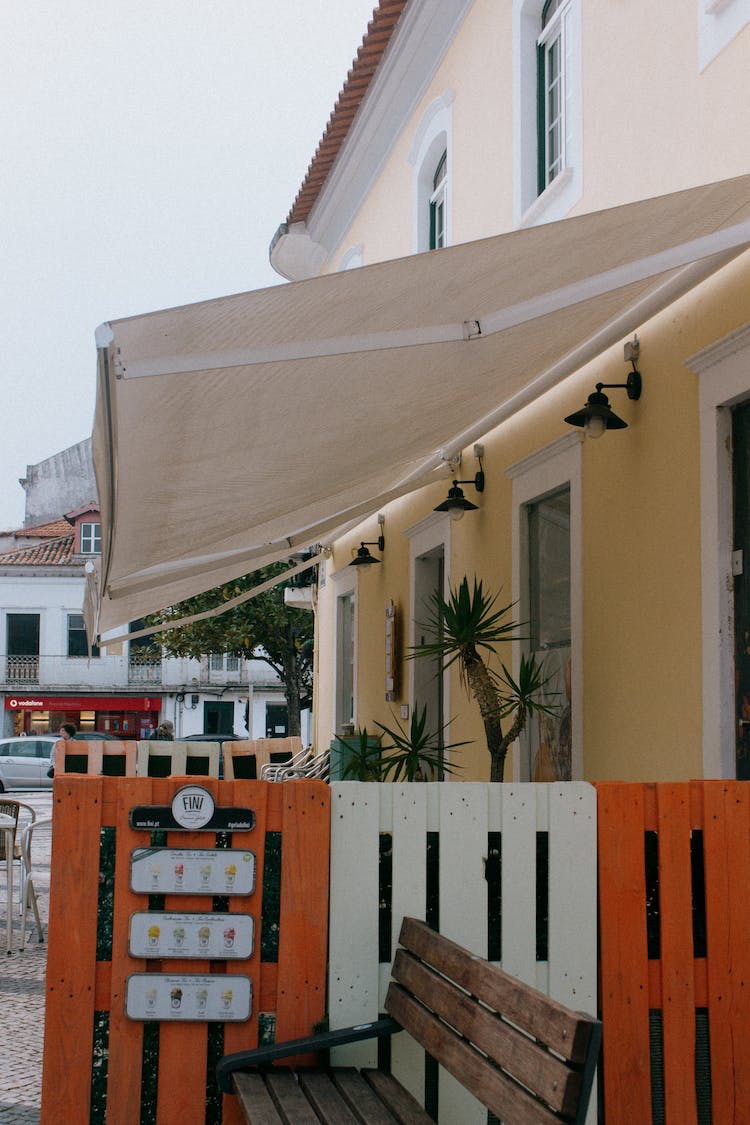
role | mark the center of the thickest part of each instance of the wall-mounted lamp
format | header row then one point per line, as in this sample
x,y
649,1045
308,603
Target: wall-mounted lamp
x,y
456,503
597,415
363,557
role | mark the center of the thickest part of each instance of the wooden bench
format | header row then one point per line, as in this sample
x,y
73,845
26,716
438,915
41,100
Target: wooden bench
x,y
528,1059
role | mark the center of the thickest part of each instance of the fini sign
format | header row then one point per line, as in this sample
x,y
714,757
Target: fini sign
x,y
193,809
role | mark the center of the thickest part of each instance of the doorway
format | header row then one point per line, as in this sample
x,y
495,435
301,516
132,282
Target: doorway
x,y
429,572
741,572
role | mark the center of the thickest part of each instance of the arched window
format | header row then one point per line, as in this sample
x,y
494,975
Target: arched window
x,y
438,203
430,157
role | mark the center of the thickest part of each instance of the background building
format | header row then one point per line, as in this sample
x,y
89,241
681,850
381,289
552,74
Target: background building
x,y
48,676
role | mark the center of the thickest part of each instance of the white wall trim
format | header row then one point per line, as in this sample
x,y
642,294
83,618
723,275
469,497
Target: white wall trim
x,y
422,37
723,369
556,465
352,258
719,22
433,136
430,533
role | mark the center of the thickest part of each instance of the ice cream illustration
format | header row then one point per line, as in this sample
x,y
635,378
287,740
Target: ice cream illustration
x,y
204,934
176,997
153,935
226,998
201,999
179,874
155,874
230,872
151,999
178,933
205,873
229,934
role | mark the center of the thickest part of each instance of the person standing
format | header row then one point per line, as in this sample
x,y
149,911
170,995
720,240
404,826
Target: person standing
x,y
67,732
164,732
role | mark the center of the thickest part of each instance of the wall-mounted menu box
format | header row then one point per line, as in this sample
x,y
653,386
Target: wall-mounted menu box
x,y
215,937
190,871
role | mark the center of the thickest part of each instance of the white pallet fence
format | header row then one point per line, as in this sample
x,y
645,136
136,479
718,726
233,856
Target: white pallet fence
x,y
462,814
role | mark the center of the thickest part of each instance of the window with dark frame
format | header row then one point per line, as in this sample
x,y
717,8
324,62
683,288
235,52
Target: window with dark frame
x,y
553,55
77,643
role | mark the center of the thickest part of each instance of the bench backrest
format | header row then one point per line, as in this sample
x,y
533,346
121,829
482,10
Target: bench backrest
x,y
527,1058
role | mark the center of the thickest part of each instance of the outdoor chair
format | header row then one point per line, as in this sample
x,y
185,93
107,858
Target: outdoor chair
x,y
28,890
272,771
24,816
316,766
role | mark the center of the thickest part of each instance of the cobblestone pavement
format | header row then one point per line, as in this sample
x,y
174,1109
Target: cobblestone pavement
x,y
22,983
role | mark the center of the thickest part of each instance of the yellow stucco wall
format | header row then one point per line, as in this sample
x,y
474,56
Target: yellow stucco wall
x,y
642,637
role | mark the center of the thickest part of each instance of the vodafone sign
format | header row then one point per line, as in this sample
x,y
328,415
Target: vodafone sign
x,y
82,703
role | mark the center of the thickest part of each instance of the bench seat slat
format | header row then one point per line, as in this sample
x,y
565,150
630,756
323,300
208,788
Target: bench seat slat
x,y
404,1107
287,1096
523,1058
495,1090
325,1099
255,1101
543,1018
361,1098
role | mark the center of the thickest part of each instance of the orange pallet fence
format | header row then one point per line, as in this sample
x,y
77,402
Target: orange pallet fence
x,y
100,1066
113,758
674,923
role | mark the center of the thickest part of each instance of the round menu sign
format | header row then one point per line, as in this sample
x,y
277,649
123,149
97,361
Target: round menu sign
x,y
192,806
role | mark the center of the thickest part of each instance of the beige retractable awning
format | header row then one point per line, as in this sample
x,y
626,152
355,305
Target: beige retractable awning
x,y
232,432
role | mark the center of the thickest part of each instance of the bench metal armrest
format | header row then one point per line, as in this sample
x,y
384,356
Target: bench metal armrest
x,y
262,1056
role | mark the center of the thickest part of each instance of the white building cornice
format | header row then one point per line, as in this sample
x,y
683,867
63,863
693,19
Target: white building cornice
x,y
422,37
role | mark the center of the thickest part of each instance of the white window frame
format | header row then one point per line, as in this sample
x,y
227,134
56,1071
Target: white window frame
x,y
723,371
719,22
556,466
345,586
429,534
91,535
432,137
564,191
352,259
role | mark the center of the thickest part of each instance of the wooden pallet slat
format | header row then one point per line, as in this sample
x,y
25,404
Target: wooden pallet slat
x,y
624,954
677,999
71,950
727,864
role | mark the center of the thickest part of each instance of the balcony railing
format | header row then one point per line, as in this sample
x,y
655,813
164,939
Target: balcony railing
x,y
22,670
120,671
144,671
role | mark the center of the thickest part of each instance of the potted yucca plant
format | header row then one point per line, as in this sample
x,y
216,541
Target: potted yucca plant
x,y
416,754
468,629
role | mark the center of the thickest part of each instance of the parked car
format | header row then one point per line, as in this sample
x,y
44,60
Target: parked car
x,y
25,761
94,736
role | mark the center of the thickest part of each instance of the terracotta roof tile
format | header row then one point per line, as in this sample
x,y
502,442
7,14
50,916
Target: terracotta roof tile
x,y
52,552
378,36
51,530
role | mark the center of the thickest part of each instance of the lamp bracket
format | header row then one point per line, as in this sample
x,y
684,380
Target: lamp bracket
x,y
633,386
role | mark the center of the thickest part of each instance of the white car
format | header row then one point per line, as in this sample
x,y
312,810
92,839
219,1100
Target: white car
x,y
25,762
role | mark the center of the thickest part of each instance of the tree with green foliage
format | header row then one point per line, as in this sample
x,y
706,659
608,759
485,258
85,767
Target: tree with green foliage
x,y
263,628
469,630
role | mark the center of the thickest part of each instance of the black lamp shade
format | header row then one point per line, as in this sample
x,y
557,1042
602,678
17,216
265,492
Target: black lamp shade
x,y
456,501
364,558
597,406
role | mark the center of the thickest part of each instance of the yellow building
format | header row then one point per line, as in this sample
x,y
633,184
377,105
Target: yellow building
x,y
619,551
513,202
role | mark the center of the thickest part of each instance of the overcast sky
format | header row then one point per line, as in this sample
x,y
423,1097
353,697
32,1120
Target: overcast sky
x,y
149,150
